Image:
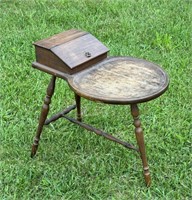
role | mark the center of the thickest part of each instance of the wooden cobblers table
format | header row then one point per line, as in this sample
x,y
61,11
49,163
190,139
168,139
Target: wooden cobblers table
x,y
111,80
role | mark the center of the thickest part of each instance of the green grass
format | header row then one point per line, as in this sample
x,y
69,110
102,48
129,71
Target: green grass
x,y
72,163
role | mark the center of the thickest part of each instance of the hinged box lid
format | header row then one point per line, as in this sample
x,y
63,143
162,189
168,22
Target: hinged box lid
x,y
70,51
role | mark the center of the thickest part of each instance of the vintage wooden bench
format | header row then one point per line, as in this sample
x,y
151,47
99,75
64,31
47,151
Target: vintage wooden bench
x,y
81,60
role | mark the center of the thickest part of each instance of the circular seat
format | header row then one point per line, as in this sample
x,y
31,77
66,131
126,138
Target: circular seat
x,y
120,80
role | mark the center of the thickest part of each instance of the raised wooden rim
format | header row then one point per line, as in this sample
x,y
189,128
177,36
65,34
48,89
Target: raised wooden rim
x,y
118,101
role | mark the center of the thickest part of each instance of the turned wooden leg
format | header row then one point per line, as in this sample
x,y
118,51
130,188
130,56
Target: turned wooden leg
x,y
78,104
43,116
140,142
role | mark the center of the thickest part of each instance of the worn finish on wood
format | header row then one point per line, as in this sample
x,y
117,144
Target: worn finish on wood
x,y
81,60
54,72
120,80
60,38
44,113
140,142
78,103
59,115
101,133
70,51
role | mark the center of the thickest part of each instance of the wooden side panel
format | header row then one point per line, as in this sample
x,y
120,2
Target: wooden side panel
x,y
46,57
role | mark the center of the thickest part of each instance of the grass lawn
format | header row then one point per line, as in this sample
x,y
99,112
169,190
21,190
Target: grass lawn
x,y
72,163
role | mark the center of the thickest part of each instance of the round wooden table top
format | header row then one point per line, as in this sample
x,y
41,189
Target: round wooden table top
x,y
120,80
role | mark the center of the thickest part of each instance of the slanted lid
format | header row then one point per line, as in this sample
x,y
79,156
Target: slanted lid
x,y
59,39
79,50
74,47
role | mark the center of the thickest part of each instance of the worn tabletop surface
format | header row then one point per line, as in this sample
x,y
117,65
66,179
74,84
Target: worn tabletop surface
x,y
120,80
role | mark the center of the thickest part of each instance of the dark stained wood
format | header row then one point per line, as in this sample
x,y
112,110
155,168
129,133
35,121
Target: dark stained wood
x,y
70,52
81,60
51,71
78,103
74,52
52,62
120,80
60,38
140,142
44,113
101,133
63,73
59,115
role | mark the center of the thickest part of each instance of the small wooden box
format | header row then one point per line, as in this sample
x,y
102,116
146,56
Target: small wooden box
x,y
69,52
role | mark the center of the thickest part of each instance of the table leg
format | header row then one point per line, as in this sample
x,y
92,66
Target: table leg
x,y
78,104
43,116
140,142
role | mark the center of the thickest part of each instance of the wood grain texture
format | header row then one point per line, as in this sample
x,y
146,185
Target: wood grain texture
x,y
60,38
48,58
69,52
120,80
73,53
43,116
140,141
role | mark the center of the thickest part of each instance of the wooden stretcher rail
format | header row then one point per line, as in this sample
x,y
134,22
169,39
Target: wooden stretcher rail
x,y
101,133
59,115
